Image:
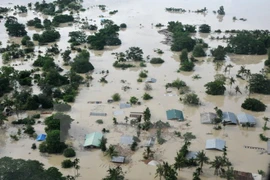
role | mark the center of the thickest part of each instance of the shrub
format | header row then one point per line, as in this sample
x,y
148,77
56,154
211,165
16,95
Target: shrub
x,y
99,121
263,138
133,100
215,87
116,97
147,96
139,80
123,25
69,152
267,62
143,74
133,146
34,146
198,51
43,147
36,116
67,163
29,130
191,99
204,28
253,105
156,61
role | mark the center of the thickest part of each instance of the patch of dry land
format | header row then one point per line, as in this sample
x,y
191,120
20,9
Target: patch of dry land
x,y
93,95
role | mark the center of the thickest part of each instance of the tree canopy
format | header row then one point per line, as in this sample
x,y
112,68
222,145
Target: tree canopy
x,y
81,62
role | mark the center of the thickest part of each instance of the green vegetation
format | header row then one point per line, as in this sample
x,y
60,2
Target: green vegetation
x,y
253,105
99,121
67,163
69,152
186,64
198,51
191,99
181,38
156,61
263,137
62,18
47,36
147,96
204,28
143,74
77,38
219,53
215,87
176,84
14,28
221,10
116,97
81,63
133,100
115,173
259,84
106,36
123,25
27,170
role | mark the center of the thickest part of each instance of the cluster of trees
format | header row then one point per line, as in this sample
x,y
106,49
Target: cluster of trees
x,y
62,18
253,105
81,63
14,28
249,42
28,170
258,83
204,28
47,36
216,87
36,22
11,51
185,62
219,53
106,36
198,51
77,38
181,38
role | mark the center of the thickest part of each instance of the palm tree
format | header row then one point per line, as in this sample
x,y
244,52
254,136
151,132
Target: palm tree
x,y
111,151
115,174
217,163
159,171
242,70
201,158
229,174
76,166
148,153
180,161
196,176
266,119
169,172
237,89
2,118
232,81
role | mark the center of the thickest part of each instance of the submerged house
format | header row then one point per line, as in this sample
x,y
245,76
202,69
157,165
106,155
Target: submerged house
x,y
174,114
244,118
229,118
215,144
93,139
150,80
118,159
124,105
207,118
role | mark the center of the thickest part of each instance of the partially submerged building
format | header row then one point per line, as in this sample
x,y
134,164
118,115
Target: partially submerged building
x,y
174,114
124,105
229,118
207,117
93,139
118,159
215,144
150,80
245,118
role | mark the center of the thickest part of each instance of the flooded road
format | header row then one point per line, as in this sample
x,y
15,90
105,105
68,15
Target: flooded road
x,y
139,17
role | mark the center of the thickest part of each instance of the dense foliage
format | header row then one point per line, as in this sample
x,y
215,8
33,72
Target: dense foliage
x,y
219,53
14,28
259,84
198,51
156,61
81,62
204,28
47,36
62,18
253,105
215,87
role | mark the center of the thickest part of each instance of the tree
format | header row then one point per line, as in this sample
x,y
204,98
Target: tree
x,y
77,37
53,143
123,25
253,105
62,18
111,151
180,160
103,143
134,53
76,166
169,172
26,170
184,56
133,100
147,96
219,53
215,87
48,36
231,81
115,174
191,99
178,84
14,28
237,89
81,63
116,97
221,10
3,118
198,51
67,163
201,158
156,61
204,28
148,153
259,84
217,163
69,152
159,171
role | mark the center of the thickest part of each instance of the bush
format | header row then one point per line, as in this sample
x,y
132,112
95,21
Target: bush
x,y
29,130
36,116
198,51
263,138
99,121
34,146
253,105
204,28
267,62
139,80
69,152
143,74
191,99
133,146
187,66
116,97
123,25
215,87
156,61
43,147
147,96
67,163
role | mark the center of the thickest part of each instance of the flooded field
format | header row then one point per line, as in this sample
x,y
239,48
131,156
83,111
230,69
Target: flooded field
x,y
141,17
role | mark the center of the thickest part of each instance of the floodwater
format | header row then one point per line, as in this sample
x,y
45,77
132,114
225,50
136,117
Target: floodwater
x,y
139,16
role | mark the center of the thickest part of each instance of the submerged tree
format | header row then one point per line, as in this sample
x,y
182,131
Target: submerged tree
x,y
115,174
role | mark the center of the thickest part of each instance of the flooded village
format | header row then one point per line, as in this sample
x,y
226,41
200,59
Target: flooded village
x,y
134,90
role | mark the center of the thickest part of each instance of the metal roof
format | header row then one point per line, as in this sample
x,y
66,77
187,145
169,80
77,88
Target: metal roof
x,y
175,114
229,118
151,80
191,155
244,118
93,139
128,140
118,159
217,144
124,105
98,114
208,118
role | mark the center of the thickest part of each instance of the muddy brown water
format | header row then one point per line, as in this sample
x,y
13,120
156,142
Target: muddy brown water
x,y
133,13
